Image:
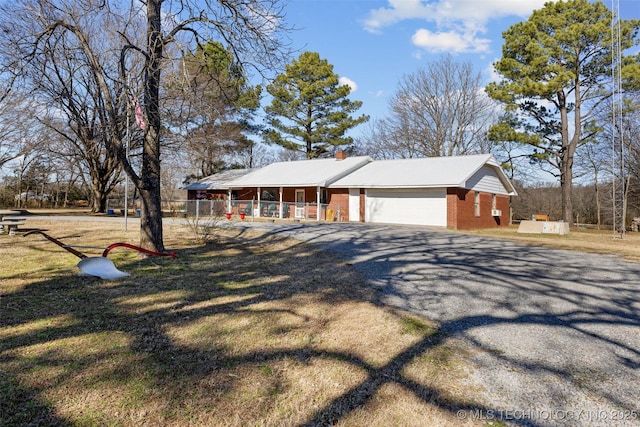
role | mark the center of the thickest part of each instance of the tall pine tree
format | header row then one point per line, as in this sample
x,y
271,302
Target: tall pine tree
x,y
556,70
310,111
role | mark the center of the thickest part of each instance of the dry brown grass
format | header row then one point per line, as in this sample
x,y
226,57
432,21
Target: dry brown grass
x,y
583,240
247,330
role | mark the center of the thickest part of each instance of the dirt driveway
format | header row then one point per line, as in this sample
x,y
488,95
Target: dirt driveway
x,y
553,336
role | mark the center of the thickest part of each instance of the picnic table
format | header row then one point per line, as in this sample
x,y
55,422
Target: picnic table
x,y
9,224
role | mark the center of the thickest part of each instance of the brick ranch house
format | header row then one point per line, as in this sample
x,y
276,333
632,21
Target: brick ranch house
x,y
460,192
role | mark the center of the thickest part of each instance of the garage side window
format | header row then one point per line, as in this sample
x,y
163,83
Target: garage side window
x,y
476,203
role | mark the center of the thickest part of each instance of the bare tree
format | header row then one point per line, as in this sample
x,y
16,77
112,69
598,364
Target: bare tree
x,y
595,161
81,139
29,172
250,29
439,110
629,137
17,127
612,159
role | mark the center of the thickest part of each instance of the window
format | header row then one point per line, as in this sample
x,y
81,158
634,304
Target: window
x,y
269,194
493,202
476,203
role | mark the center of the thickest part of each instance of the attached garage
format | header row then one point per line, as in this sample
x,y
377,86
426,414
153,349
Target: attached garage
x,y
461,192
406,206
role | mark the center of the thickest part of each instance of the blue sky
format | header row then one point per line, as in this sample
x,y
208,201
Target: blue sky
x,y
373,43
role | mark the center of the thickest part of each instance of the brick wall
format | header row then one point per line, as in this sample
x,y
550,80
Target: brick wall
x,y
339,199
461,210
452,207
289,194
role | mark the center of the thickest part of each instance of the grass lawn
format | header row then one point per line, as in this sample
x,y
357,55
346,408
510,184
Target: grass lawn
x,y
246,330
584,240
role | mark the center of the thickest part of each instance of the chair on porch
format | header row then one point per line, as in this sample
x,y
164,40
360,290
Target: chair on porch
x,y
246,209
272,210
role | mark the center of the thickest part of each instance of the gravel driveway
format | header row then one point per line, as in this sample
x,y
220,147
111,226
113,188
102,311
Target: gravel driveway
x,y
554,335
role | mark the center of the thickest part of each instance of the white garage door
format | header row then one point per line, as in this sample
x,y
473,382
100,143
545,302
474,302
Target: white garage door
x,y
420,207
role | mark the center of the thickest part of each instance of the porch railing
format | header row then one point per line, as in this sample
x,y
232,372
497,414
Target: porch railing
x,y
243,209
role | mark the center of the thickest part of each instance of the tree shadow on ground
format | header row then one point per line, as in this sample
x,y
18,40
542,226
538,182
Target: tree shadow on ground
x,y
69,331
556,332
468,286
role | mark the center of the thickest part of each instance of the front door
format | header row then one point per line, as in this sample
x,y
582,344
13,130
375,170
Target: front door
x,y
299,204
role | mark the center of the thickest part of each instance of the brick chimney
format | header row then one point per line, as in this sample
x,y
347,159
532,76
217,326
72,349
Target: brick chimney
x,y
341,155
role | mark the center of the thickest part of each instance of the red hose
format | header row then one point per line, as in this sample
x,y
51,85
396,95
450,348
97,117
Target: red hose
x,y
139,249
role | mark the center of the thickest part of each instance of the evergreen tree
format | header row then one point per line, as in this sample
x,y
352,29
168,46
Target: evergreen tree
x,y
221,106
556,68
310,111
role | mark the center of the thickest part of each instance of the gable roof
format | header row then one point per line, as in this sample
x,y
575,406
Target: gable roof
x,y
301,173
454,171
218,181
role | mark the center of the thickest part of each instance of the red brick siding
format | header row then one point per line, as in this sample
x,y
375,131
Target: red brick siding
x,y
289,195
452,207
339,201
461,210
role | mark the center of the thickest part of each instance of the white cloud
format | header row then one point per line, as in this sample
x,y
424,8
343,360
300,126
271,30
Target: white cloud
x,y
457,22
399,10
493,74
449,41
347,81
447,13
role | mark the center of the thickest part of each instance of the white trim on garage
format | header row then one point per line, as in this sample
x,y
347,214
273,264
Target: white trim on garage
x,y
406,206
354,204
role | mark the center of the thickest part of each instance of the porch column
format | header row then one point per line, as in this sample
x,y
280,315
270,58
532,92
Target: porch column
x,y
259,207
280,213
318,203
229,201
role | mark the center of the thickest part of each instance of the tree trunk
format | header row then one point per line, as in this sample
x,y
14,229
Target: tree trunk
x,y
98,201
625,204
567,153
99,192
565,163
566,183
151,236
597,191
150,227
